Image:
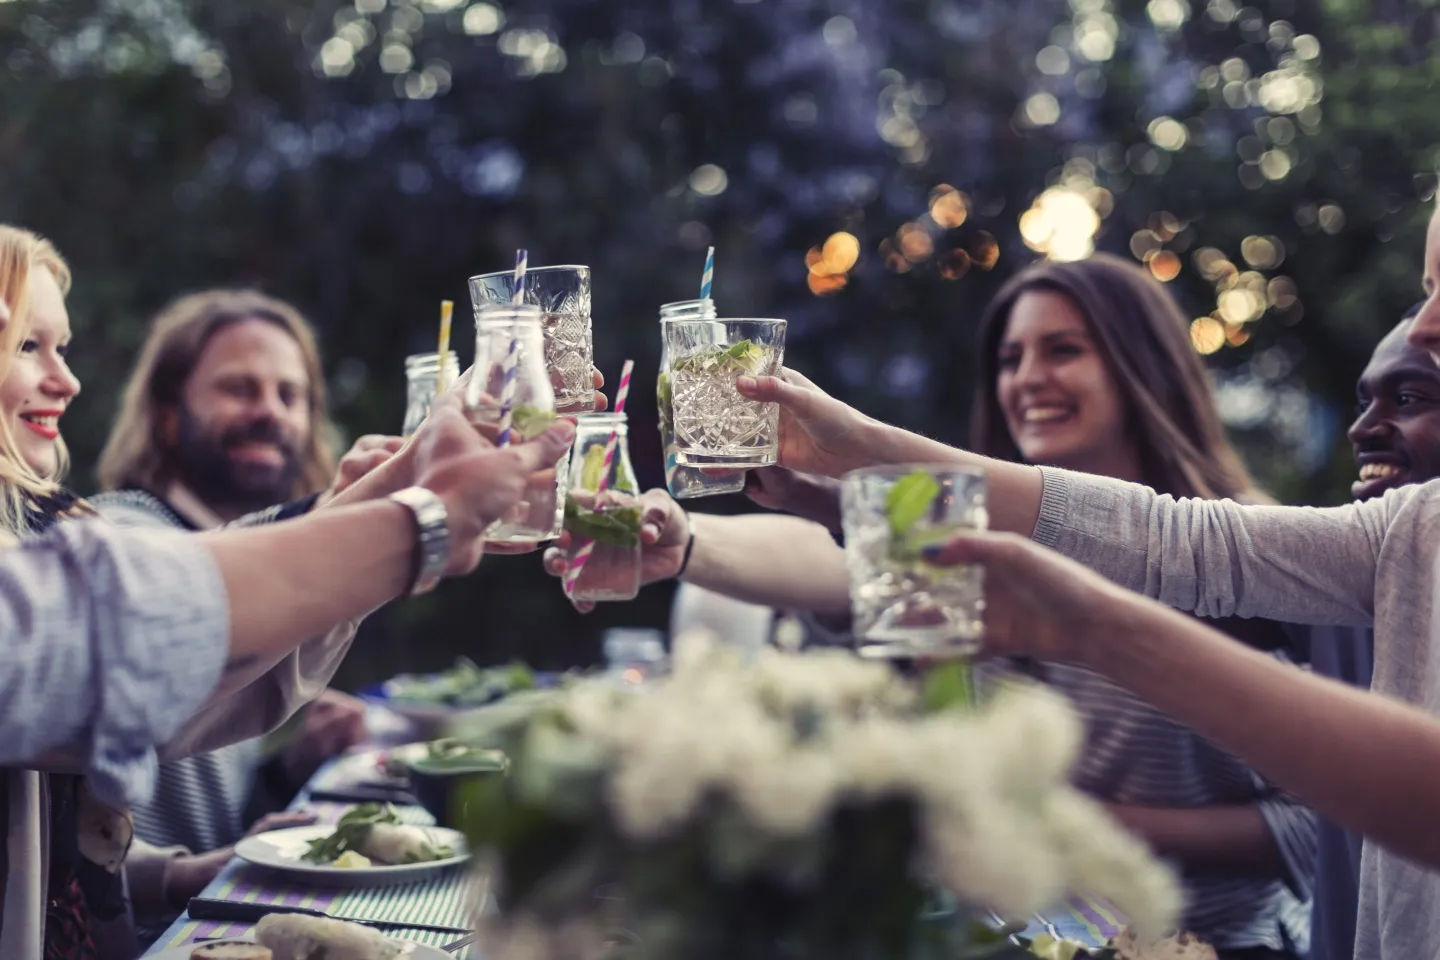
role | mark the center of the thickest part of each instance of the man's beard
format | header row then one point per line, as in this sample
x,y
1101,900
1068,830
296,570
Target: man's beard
x,y
204,465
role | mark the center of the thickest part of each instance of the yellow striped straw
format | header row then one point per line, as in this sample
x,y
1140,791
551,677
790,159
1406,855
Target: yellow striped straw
x,y
447,307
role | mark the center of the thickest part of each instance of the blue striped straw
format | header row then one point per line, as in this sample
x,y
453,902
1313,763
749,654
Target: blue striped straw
x,y
708,277
511,364
521,259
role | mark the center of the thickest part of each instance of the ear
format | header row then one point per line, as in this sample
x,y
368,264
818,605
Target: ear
x,y
170,426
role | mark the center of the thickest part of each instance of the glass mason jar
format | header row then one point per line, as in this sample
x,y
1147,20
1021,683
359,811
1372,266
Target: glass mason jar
x,y
509,343
685,482
602,512
422,372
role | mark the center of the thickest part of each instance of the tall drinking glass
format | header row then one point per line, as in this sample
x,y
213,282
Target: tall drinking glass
x,y
685,482
714,425
499,331
609,518
563,296
422,376
903,606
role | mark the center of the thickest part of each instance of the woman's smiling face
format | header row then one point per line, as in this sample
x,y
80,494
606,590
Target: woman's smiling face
x,y
1061,404
39,386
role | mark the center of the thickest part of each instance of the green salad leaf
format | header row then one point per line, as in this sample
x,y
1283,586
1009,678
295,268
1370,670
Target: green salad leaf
x,y
350,832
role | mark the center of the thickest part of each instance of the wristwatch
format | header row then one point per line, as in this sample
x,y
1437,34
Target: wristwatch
x,y
432,537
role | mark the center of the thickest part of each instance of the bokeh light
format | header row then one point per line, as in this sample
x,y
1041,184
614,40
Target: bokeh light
x,y
1207,334
1061,225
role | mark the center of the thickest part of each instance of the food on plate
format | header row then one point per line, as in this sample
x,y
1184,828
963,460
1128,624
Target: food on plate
x,y
450,754
374,831
352,860
231,950
463,685
294,937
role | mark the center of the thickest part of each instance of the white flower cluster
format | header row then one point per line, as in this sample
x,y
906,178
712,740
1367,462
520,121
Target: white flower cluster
x,y
786,739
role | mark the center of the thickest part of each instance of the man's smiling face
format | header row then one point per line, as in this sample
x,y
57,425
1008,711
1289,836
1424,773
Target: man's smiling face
x,y
1397,434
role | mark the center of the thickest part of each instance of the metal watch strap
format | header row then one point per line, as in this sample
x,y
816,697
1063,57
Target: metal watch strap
x,y
432,537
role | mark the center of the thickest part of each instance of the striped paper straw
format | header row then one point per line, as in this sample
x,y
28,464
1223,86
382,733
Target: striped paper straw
x,y
611,447
511,363
522,259
708,277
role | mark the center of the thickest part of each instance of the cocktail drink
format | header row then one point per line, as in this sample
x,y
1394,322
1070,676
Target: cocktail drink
x,y
903,606
563,296
685,482
602,511
714,425
422,376
509,345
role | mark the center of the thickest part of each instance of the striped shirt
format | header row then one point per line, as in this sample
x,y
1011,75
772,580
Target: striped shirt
x,y
1136,755
200,801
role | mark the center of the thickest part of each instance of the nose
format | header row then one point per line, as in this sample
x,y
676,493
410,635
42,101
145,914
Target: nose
x,y
60,383
1425,329
1031,370
1370,425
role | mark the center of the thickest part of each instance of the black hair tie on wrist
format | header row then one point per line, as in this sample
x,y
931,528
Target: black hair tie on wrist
x,y
689,549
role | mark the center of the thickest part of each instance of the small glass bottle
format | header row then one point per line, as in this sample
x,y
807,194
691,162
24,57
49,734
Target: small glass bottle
x,y
508,340
602,511
421,379
685,482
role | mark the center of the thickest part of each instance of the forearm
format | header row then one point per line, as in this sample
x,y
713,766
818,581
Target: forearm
x,y
1370,764
771,560
292,581
1013,490
1227,840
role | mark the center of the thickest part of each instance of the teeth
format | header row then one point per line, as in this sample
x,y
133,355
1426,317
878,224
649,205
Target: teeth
x,y
1046,414
44,421
1378,471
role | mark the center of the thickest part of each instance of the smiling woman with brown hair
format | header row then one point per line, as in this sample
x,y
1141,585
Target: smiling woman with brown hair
x,y
1088,366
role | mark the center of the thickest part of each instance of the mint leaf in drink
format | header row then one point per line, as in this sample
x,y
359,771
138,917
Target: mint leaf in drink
x,y
614,526
662,393
530,422
909,499
947,686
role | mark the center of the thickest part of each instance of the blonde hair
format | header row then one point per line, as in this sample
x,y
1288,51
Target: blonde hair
x,y
21,252
139,455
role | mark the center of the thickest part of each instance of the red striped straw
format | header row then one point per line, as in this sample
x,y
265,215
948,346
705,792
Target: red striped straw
x,y
611,446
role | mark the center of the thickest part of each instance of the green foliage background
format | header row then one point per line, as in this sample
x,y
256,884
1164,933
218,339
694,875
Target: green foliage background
x,y
169,145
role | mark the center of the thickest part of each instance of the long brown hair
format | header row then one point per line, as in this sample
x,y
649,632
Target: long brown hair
x,y
1144,340
137,454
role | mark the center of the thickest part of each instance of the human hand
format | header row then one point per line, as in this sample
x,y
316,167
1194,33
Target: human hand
x,y
664,535
364,456
332,723
188,875
479,482
1037,602
818,434
802,494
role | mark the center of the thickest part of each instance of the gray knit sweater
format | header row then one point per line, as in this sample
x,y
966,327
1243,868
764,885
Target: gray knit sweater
x,y
1352,565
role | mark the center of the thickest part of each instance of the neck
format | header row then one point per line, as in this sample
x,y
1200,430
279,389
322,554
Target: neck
x,y
1122,464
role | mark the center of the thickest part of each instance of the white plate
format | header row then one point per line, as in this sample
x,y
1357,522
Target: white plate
x,y
417,951
282,850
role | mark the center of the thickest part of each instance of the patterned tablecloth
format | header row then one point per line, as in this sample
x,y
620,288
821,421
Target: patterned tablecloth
x,y
450,897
